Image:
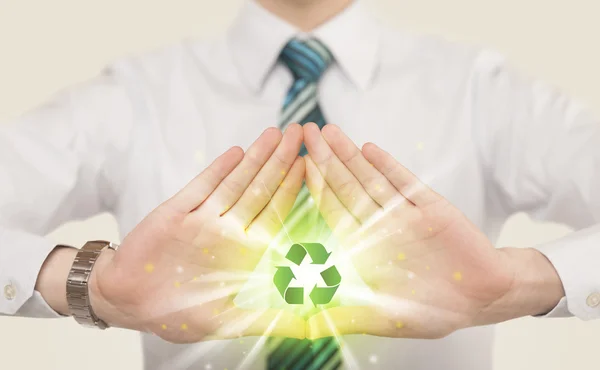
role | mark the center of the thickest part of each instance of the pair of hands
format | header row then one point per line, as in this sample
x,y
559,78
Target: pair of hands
x,y
431,270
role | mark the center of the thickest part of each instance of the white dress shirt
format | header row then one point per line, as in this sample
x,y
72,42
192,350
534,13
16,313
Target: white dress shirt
x,y
489,140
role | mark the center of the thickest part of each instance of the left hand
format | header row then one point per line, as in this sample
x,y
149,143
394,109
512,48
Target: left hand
x,y
432,271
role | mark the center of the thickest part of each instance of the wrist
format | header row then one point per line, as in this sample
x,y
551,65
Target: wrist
x,y
98,302
536,287
52,279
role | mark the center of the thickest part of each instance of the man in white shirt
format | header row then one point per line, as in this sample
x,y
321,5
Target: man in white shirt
x,y
489,142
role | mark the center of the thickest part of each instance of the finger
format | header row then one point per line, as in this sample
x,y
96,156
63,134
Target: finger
x,y
236,322
242,249
404,180
339,219
234,185
376,185
343,183
196,192
270,220
268,179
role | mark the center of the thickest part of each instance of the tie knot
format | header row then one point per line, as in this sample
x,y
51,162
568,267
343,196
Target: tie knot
x,y
306,59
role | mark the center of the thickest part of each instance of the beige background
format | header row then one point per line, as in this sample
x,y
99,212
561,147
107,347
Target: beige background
x,y
45,45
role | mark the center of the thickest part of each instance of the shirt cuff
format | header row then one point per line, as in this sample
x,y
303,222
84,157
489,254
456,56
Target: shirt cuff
x,y
575,258
21,259
561,310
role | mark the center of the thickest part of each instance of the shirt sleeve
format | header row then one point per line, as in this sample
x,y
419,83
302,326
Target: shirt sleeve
x,y
540,153
55,166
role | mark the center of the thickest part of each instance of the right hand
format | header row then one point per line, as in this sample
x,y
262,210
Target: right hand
x,y
176,274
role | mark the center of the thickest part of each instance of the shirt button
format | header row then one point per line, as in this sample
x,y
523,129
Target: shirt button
x,y
10,292
593,300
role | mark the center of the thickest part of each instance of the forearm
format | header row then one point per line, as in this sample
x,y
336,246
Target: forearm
x,y
536,288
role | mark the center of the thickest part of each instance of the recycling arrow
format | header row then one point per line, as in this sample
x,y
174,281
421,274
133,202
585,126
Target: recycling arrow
x,y
319,256
317,253
324,295
282,279
296,254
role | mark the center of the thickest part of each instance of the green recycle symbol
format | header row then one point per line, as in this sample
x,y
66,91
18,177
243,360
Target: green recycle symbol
x,y
318,295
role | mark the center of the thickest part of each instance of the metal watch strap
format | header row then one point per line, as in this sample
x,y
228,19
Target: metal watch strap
x,y
77,283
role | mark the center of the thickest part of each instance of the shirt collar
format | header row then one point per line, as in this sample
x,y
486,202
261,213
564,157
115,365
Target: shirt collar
x,y
257,37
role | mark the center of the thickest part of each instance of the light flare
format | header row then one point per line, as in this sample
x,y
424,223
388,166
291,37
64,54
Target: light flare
x,y
255,350
349,358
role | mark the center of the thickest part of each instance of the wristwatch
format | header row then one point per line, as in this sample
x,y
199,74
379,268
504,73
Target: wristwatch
x,y
78,296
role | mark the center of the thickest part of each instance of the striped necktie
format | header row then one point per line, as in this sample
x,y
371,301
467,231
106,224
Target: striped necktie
x,y
307,60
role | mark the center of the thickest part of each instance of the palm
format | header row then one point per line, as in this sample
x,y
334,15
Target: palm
x,y
176,266
434,262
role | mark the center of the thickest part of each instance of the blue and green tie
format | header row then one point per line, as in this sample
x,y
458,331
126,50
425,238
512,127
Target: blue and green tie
x,y
307,60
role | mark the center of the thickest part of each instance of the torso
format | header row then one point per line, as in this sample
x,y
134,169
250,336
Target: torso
x,y
415,109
